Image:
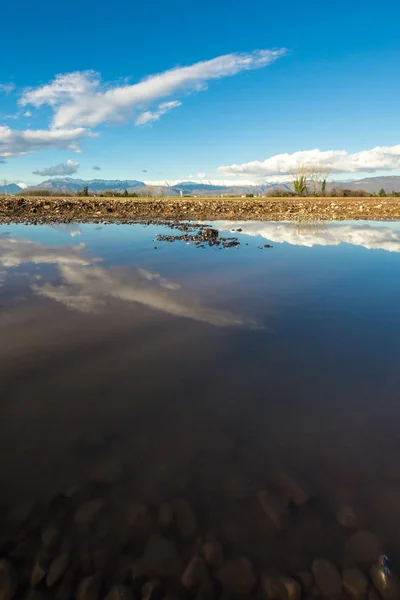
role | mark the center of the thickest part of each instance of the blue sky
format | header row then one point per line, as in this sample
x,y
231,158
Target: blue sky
x,y
301,76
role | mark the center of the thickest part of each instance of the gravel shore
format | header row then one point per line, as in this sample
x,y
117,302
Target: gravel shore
x,y
50,209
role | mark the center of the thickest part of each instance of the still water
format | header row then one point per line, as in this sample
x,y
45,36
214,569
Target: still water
x,y
140,371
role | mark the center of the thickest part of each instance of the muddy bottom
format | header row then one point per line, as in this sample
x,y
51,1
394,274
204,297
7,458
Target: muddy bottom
x,y
208,410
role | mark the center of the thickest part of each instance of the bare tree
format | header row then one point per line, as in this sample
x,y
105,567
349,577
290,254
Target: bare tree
x,y
318,173
148,191
167,186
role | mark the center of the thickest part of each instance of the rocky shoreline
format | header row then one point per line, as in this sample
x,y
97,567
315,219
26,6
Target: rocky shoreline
x,y
90,209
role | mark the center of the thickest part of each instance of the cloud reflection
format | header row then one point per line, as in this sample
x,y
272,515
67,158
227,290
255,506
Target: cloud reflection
x,y
86,286
373,237
15,251
71,228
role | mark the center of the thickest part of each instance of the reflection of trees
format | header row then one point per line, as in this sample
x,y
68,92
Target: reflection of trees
x,y
305,226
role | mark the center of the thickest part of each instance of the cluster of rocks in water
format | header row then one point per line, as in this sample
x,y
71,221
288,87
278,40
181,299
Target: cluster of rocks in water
x,y
200,235
72,549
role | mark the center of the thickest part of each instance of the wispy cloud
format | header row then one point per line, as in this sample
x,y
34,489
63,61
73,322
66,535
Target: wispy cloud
x,y
96,168
79,99
14,142
7,88
11,117
385,158
62,89
149,117
68,168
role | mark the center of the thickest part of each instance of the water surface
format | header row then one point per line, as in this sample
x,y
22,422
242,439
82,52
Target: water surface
x,y
207,373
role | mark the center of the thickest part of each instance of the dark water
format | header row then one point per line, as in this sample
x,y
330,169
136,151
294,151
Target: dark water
x,y
207,373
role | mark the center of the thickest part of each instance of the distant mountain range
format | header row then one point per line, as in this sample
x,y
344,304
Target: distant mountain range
x,y
12,188
390,183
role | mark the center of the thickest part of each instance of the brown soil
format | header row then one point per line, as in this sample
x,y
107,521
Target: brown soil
x,y
50,209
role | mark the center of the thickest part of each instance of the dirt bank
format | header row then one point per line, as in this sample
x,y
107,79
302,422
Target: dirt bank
x,y
50,209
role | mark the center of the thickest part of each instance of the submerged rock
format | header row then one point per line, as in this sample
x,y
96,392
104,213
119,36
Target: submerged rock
x,y
306,580
65,589
40,568
212,552
280,587
345,509
89,588
185,518
107,471
8,580
363,547
106,552
237,576
291,486
140,518
89,511
50,538
34,595
373,595
165,515
195,574
151,590
327,578
122,571
120,592
160,559
386,582
274,507
355,584
57,568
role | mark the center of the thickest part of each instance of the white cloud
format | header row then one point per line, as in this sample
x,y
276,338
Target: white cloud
x,y
381,158
373,237
64,88
79,99
7,88
149,117
201,175
12,117
68,168
222,182
14,142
